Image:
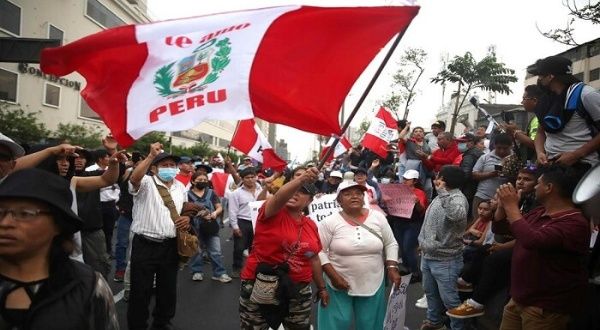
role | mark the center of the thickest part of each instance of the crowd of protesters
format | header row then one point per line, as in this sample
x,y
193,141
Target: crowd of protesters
x,y
492,219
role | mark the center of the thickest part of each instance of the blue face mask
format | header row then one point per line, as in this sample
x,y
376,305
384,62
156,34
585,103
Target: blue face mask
x,y
462,147
167,173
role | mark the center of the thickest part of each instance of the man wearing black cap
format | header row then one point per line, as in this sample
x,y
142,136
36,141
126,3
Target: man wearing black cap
x,y
569,117
154,245
186,169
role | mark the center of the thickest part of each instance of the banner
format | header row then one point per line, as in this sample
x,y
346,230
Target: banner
x,y
399,199
322,207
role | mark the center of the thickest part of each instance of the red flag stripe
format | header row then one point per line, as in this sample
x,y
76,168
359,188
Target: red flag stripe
x,y
245,136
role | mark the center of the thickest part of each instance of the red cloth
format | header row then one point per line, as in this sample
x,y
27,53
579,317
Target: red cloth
x,y
421,196
275,237
381,131
442,157
184,178
548,269
250,140
219,182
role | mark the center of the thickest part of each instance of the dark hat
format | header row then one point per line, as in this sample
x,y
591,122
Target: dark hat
x,y
207,168
467,137
439,124
361,170
55,191
185,159
309,188
247,171
15,149
163,156
555,65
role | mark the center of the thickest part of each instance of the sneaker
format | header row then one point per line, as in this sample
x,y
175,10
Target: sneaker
x,y
465,311
235,273
428,325
119,275
422,302
246,253
224,278
464,287
197,277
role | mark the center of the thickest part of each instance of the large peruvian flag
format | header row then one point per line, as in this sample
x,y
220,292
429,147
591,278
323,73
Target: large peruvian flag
x,y
382,130
291,65
250,140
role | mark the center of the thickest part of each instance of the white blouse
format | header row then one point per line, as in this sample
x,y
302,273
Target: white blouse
x,y
355,253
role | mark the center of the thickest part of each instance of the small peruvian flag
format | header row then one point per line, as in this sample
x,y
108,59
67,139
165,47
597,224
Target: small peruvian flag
x,y
382,130
340,148
250,140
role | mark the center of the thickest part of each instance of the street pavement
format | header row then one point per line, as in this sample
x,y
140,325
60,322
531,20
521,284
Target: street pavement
x,y
213,305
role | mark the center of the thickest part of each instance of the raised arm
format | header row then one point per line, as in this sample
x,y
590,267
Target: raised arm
x,y
34,159
138,173
109,177
277,202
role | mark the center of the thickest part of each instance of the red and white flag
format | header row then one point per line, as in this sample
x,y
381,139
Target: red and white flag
x,y
340,148
222,183
250,140
382,130
291,65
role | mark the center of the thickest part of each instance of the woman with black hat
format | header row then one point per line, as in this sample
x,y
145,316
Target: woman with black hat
x,y
40,287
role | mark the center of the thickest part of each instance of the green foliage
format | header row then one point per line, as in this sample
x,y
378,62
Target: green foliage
x,y
163,79
588,13
201,149
21,126
487,74
87,136
143,144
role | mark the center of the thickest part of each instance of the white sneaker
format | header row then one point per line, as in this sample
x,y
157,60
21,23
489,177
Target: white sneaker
x,y
246,253
422,302
197,277
223,278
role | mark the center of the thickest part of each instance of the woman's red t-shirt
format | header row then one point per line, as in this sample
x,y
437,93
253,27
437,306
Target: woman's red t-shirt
x,y
275,238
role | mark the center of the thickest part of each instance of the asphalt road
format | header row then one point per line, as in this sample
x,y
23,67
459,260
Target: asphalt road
x,y
213,305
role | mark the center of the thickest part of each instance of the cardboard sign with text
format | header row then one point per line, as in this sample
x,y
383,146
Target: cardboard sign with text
x,y
399,199
322,207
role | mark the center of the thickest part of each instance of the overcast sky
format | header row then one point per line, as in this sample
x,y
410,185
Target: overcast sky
x,y
441,27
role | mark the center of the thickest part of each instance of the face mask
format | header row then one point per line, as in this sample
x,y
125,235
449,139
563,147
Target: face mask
x,y
462,147
201,185
385,180
167,174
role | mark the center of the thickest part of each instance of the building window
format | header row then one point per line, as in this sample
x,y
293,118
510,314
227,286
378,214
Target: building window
x,y
10,17
595,74
224,143
8,85
102,15
55,33
86,112
51,95
579,76
594,49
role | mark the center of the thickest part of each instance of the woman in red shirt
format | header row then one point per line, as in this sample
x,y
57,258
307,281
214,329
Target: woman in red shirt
x,y
286,246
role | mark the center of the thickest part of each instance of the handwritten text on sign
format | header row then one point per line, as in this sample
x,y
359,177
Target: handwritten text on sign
x,y
399,199
322,207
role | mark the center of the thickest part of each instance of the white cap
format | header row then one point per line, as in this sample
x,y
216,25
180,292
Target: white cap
x,y
336,174
350,184
15,149
411,174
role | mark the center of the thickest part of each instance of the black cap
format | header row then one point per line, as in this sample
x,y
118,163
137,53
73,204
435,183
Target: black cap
x,y
55,191
247,171
555,65
439,124
164,155
309,188
185,159
361,170
207,168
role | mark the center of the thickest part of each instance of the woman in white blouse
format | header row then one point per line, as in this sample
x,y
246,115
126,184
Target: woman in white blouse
x,y
355,242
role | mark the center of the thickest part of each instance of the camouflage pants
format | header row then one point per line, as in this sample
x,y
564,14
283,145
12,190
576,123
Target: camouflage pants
x,y
299,309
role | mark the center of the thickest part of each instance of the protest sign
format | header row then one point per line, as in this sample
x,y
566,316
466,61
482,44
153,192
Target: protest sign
x,y
399,199
322,207
395,313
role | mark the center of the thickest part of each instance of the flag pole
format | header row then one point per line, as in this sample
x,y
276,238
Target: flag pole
x,y
362,99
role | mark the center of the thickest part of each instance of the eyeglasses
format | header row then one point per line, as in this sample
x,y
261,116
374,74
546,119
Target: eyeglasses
x,y
22,214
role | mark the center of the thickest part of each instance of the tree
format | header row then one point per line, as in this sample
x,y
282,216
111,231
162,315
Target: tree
x,y
588,13
487,74
143,144
21,126
405,81
86,136
199,149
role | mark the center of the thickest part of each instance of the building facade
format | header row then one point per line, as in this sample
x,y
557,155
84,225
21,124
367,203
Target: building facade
x,y
57,99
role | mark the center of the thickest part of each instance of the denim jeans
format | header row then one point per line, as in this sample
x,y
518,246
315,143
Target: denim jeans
x,y
123,226
406,234
439,284
213,246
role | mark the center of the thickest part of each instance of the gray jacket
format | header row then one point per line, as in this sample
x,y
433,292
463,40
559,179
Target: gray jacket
x,y
444,225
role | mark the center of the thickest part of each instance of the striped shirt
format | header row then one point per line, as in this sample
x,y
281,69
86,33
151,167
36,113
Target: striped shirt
x,y
239,207
150,215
